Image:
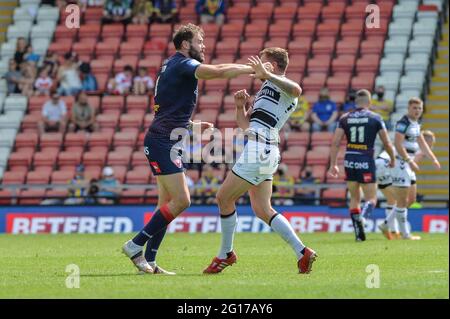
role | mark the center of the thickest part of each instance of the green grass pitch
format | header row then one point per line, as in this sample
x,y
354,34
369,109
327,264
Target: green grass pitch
x,y
34,266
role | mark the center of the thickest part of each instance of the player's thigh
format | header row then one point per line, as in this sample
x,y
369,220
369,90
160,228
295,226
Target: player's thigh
x,y
370,191
232,188
260,197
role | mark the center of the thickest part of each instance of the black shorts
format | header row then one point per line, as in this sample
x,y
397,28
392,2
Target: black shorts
x,y
164,155
359,168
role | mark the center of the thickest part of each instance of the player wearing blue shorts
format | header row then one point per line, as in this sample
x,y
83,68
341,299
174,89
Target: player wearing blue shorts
x,y
176,94
361,128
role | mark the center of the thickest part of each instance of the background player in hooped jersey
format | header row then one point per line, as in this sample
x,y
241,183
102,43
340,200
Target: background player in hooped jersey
x,y
361,128
175,98
408,141
253,171
384,180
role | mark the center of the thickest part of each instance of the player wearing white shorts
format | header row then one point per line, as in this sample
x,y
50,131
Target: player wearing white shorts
x,y
408,141
384,180
253,171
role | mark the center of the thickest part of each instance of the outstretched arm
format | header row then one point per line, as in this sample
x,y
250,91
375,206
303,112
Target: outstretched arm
x,y
221,71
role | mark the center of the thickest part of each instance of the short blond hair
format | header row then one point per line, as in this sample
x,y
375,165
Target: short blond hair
x,y
278,55
415,100
429,134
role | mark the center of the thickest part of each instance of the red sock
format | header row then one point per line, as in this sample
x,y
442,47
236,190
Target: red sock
x,y
355,211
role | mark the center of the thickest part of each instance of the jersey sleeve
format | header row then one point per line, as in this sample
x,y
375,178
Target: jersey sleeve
x,y
401,127
380,123
188,67
342,123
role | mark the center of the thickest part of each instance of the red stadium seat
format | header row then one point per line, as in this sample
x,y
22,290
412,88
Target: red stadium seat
x,y
356,11
155,46
294,171
314,82
364,80
233,30
280,29
85,48
304,28
124,139
131,60
61,47
348,45
26,140
63,32
298,139
324,45
137,31
212,101
93,171
240,83
56,193
228,46
256,30
132,47
300,46
75,141
216,85
310,11
160,31
31,196
339,95
343,63
140,175
93,15
89,31
238,13
118,158
110,103
251,47
5,197
320,63
107,48
352,28
137,103
333,11
339,81
328,28
319,172
14,177
208,115
38,177
115,30
51,141
321,139
379,31
46,159
227,120
138,158
68,160
152,64
294,155
130,121
316,157
62,177
107,122
262,11
286,13
102,139
103,65
368,63
276,42
372,45
92,158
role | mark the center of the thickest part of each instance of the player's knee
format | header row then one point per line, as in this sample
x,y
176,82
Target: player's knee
x,y
183,202
262,211
222,198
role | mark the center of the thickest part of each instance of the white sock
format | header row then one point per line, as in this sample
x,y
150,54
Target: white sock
x,y
281,225
228,224
402,217
390,218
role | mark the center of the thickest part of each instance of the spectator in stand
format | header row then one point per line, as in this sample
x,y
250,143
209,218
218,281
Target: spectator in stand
x,y
88,80
349,104
307,194
30,56
165,11
208,185
28,75
143,83
211,11
117,11
79,187
298,120
54,114
21,50
283,186
108,187
68,75
123,81
324,113
83,115
89,3
52,62
382,106
43,83
13,77
142,11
